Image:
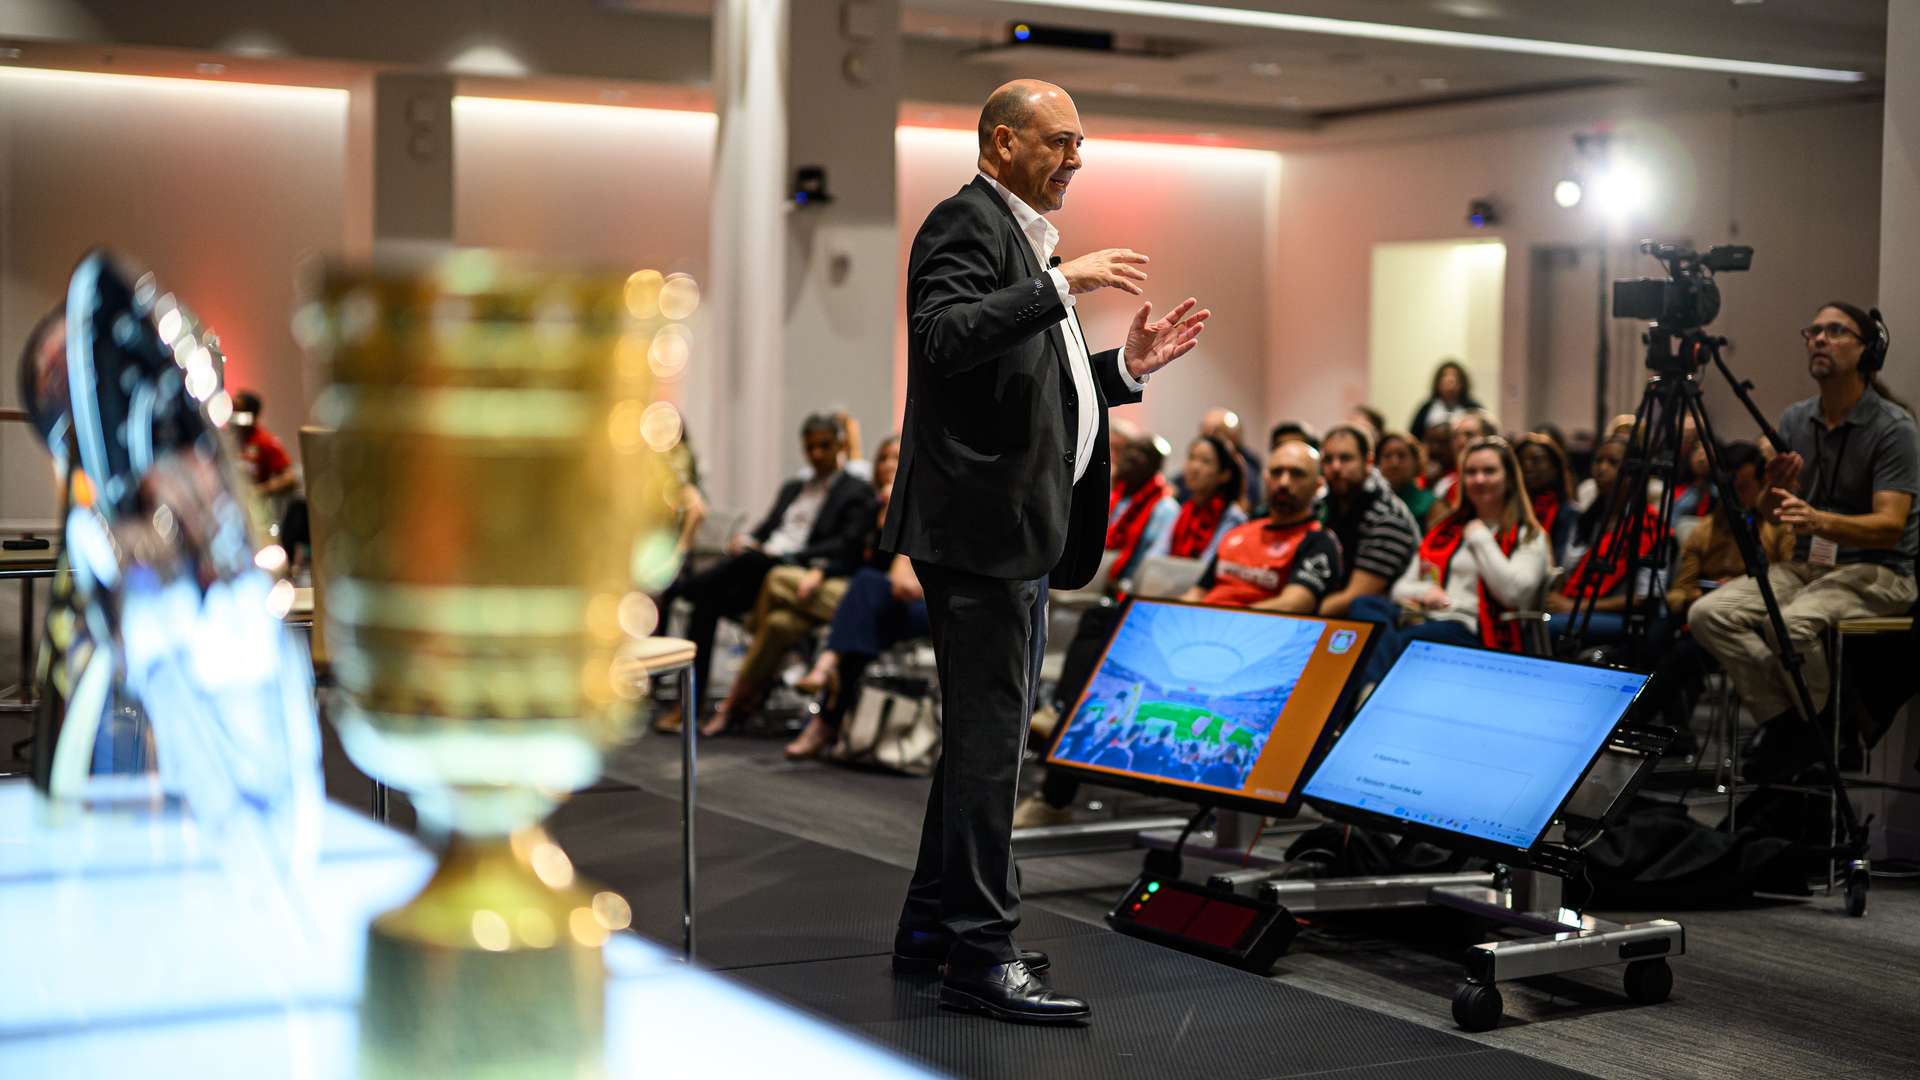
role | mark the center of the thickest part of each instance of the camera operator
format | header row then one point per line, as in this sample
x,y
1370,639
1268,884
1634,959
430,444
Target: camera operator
x,y
1846,491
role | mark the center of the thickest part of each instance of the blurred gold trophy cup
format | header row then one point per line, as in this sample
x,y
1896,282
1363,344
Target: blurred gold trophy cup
x,y
496,493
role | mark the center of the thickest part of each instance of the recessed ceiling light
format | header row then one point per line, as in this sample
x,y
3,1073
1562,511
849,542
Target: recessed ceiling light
x,y
1264,67
1468,9
1433,82
210,69
1420,35
9,53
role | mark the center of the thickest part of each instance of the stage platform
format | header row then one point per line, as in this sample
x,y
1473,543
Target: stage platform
x,y
813,925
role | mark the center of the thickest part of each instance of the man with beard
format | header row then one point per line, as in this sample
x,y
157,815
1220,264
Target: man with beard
x,y
1845,489
1376,531
1286,561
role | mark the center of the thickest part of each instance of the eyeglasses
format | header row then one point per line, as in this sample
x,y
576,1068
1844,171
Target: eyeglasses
x,y
1833,330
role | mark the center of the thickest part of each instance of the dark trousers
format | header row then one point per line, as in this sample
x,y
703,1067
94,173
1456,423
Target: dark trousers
x,y
988,637
729,587
868,622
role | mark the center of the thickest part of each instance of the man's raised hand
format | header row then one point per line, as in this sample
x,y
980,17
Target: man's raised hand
x,y
1110,268
1153,345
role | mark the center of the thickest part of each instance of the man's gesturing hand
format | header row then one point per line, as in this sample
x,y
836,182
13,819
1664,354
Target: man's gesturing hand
x,y
1113,268
1153,345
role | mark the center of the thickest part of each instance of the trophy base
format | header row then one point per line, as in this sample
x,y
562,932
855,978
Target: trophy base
x,y
493,970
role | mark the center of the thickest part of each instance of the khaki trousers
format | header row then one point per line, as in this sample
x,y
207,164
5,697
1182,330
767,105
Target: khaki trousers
x,y
1731,623
779,621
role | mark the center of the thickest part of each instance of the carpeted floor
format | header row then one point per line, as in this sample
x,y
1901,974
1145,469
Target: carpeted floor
x,y
1785,988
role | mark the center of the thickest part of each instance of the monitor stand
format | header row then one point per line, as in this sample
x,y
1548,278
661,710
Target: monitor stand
x,y
1525,898
1563,941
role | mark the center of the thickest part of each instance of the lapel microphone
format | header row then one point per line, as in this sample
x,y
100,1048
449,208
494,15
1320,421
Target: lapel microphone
x,y
1053,262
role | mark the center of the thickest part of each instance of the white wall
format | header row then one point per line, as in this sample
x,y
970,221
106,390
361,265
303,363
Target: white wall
x,y
1204,216
1428,300
217,187
621,188
1801,185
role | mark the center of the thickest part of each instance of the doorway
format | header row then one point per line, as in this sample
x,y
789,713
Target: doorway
x,y
1430,302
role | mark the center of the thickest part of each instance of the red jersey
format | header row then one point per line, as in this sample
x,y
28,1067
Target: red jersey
x,y
264,455
1258,560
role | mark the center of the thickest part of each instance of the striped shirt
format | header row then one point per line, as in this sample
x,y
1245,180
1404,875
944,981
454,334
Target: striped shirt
x,y
1377,532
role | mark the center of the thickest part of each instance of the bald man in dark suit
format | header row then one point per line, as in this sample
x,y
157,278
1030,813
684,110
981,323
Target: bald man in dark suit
x,y
1002,491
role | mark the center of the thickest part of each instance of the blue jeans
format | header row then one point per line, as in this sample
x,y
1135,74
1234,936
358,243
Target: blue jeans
x,y
1391,640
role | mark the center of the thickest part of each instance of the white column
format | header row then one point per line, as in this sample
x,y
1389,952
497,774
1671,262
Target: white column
x,y
802,301
843,272
738,427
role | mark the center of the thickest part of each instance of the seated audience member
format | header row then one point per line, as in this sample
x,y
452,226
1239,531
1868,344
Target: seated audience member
x,y
1224,424
1559,438
265,461
1583,492
1596,571
822,521
1370,418
1403,461
265,458
1377,534
1486,558
795,599
1438,440
1550,487
1853,517
1452,394
1212,507
1285,561
1693,494
1293,431
1141,508
1468,426
881,608
1709,558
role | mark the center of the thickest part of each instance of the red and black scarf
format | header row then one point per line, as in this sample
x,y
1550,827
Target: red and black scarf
x,y
1124,532
1608,580
1438,550
1193,530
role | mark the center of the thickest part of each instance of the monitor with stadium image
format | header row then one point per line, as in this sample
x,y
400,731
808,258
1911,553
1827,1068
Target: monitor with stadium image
x,y
1218,705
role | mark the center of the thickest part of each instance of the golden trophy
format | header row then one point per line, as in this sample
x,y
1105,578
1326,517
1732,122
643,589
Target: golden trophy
x,y
495,496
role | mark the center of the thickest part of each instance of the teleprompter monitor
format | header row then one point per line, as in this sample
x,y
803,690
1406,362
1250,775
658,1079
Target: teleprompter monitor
x,y
1478,746
1218,705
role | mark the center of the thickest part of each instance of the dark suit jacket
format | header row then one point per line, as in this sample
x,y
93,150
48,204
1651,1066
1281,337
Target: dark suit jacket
x,y
839,535
986,451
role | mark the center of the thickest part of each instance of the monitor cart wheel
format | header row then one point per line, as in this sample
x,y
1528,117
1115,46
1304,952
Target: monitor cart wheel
x,y
1859,880
1477,1007
1648,982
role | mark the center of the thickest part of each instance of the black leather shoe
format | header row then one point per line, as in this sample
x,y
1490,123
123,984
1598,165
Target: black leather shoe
x,y
918,953
1009,992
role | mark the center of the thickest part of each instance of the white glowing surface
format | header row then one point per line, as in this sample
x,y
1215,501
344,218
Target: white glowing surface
x,y
128,952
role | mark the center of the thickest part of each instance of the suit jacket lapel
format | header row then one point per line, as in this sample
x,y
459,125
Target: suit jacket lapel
x,y
1057,332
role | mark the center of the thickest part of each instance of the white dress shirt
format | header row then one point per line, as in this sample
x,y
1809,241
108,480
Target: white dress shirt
x,y
1045,238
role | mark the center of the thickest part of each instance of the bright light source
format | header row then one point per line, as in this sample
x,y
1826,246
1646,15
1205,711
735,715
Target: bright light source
x,y
1622,190
1566,194
1420,35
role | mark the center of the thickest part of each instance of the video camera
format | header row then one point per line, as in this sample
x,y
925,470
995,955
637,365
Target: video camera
x,y
1688,298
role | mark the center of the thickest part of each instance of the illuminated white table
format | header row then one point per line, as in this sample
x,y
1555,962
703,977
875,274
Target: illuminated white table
x,y
125,950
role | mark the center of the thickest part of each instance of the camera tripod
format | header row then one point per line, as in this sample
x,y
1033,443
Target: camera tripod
x,y
1654,449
